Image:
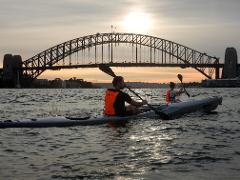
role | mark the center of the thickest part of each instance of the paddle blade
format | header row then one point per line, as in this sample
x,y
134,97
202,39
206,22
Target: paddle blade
x,y
105,68
180,77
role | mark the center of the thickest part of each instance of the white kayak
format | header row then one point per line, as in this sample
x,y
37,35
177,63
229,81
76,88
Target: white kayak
x,y
170,111
176,110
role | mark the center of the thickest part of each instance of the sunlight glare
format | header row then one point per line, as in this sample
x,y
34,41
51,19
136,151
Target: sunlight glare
x,y
137,22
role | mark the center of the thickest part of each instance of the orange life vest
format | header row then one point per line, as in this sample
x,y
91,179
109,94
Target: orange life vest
x,y
170,96
110,99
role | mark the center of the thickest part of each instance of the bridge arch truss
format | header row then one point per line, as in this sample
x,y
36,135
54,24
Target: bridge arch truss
x,y
172,54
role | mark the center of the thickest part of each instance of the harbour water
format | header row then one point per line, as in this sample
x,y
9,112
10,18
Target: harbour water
x,y
196,146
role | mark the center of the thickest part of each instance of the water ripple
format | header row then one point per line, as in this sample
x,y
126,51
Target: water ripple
x,y
205,145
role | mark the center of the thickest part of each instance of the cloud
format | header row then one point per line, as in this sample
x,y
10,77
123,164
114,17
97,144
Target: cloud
x,y
24,13
31,26
195,11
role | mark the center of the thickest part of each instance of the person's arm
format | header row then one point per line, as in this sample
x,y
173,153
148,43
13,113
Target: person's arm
x,y
129,100
138,104
181,91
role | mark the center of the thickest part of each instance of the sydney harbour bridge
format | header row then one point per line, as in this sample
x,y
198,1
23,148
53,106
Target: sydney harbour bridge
x,y
117,50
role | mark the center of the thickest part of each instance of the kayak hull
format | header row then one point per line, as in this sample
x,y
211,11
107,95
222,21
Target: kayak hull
x,y
62,121
171,111
176,110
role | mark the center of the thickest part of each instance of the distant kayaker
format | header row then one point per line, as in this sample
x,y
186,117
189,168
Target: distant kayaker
x,y
115,100
171,93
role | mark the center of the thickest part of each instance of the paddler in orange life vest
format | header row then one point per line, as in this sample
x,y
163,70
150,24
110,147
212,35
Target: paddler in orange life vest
x,y
115,100
171,93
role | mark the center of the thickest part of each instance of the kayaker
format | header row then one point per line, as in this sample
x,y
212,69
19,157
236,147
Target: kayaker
x,y
115,100
171,93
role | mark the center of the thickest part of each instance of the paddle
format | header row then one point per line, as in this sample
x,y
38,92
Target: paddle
x,y
180,77
105,68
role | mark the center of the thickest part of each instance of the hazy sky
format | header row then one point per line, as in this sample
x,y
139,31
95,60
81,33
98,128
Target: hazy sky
x,y
31,26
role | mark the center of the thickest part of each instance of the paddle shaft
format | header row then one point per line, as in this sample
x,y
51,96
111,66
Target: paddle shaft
x,y
184,88
136,94
105,68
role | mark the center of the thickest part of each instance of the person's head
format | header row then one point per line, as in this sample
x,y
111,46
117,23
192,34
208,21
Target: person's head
x,y
172,85
118,82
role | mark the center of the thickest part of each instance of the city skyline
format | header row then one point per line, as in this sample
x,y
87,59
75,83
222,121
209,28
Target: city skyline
x,y
29,27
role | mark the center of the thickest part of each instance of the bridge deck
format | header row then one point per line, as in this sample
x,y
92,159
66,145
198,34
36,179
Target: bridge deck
x,y
124,65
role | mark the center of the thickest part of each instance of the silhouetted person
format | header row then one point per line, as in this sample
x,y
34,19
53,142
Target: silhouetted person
x,y
115,100
171,93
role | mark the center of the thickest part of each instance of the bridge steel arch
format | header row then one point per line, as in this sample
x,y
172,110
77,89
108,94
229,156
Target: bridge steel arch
x,y
189,57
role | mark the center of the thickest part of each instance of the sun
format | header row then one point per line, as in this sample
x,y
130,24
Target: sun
x,y
137,22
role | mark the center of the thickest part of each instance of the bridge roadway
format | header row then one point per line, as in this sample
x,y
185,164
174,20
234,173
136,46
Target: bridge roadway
x,y
124,65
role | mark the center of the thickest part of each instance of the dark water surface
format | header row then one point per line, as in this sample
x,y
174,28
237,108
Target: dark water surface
x,y
196,146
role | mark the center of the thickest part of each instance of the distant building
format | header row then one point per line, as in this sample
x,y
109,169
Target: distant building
x,y
221,82
59,83
41,83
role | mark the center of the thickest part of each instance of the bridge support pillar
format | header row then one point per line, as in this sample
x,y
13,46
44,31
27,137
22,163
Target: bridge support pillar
x,y
12,70
217,72
230,64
